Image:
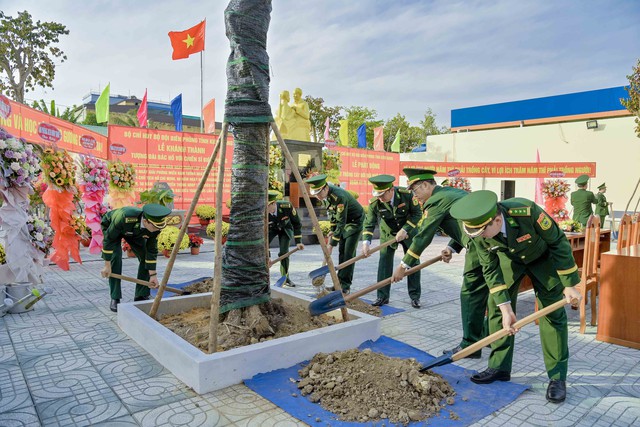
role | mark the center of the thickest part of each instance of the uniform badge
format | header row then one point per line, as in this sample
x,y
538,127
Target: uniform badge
x,y
415,201
340,208
401,205
129,220
523,238
544,222
284,218
293,211
425,214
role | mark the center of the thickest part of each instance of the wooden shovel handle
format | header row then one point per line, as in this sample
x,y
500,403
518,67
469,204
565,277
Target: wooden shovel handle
x,y
362,256
281,257
504,332
144,283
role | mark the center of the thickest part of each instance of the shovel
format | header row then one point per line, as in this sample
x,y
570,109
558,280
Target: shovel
x,y
280,258
8,303
336,300
39,295
142,282
449,357
317,275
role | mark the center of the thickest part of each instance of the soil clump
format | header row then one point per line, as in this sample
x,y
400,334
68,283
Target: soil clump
x,y
357,305
365,386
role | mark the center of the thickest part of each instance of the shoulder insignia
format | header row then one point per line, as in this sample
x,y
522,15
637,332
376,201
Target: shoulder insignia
x,y
404,190
512,222
334,197
129,220
340,207
286,205
425,213
373,199
544,221
523,211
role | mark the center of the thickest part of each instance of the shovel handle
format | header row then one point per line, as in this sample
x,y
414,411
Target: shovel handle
x,y
504,332
281,257
144,283
387,281
362,256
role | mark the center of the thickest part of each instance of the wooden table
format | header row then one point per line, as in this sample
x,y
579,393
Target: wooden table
x,y
618,313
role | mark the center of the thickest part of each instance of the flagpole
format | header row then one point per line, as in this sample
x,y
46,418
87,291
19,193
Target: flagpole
x,y
201,95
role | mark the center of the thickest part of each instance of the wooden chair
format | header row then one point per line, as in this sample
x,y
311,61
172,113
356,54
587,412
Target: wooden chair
x,y
590,276
624,232
634,234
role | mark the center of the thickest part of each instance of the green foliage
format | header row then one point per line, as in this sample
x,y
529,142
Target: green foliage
x,y
3,255
27,53
633,102
325,227
168,238
318,113
211,229
157,195
205,212
357,116
90,119
129,119
70,114
331,163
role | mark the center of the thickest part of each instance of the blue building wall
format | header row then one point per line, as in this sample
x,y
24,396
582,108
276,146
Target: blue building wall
x,y
593,101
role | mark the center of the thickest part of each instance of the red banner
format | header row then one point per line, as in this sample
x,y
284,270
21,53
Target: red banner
x,y
507,170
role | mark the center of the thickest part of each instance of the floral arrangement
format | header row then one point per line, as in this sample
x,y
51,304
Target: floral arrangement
x,y
195,241
211,229
168,238
571,226
3,255
123,176
39,187
41,233
554,188
205,212
561,215
80,226
59,170
325,227
126,247
275,156
20,164
94,173
274,182
460,182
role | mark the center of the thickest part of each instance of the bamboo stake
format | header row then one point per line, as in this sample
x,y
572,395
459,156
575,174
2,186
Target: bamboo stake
x,y
185,224
217,272
312,214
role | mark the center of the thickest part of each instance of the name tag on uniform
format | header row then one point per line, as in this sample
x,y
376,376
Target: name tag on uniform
x,y
129,220
285,217
401,205
128,233
523,238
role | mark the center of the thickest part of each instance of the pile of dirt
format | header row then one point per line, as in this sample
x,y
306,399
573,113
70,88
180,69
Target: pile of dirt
x,y
246,326
200,287
357,305
364,386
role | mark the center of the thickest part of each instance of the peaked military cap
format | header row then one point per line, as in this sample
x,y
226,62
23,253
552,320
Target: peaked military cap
x,y
601,186
445,183
582,179
381,183
417,175
273,195
476,211
316,183
156,214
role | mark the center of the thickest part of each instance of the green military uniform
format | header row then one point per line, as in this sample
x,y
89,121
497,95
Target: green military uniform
x,y
581,200
602,206
402,212
534,245
474,292
346,217
126,223
284,223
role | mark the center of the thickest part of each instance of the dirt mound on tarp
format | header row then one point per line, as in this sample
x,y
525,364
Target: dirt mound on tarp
x,y
357,305
242,327
200,287
364,386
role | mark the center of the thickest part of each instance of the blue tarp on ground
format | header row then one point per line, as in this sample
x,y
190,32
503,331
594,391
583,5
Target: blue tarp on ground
x,y
482,399
387,310
182,285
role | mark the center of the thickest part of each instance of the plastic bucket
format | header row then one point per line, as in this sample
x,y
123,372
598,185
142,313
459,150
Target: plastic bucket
x,y
3,295
16,291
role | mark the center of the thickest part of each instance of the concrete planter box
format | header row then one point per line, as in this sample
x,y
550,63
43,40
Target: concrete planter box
x,y
209,372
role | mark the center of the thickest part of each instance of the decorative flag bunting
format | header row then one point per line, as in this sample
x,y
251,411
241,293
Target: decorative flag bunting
x,y
102,106
142,112
209,116
344,133
362,136
395,146
176,110
378,138
187,42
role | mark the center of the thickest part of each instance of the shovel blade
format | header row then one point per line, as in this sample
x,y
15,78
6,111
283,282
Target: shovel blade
x,y
318,272
445,359
327,303
280,282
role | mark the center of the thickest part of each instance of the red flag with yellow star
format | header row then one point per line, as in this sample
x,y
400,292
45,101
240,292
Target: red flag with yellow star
x,y
186,42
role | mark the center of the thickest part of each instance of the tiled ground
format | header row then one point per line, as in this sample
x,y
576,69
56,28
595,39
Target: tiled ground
x,y
68,364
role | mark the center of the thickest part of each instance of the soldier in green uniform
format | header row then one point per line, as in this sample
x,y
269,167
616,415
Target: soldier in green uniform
x,y
436,202
602,206
398,214
284,223
346,216
140,229
513,238
581,200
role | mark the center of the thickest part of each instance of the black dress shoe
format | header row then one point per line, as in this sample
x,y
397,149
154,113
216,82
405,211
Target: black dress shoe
x,y
330,288
415,303
346,291
114,305
380,301
289,284
557,391
458,348
145,298
490,375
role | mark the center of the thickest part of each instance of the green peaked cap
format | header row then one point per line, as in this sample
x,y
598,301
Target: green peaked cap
x,y
381,183
417,175
156,214
582,179
475,210
601,186
316,183
273,195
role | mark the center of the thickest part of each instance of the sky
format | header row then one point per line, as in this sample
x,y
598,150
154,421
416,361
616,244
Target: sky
x,y
388,55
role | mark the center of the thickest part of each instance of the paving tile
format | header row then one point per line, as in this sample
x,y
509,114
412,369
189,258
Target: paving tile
x,y
23,417
66,384
7,354
81,409
54,363
193,412
238,402
152,392
21,335
103,352
127,370
14,393
30,319
273,418
104,332
30,349
126,421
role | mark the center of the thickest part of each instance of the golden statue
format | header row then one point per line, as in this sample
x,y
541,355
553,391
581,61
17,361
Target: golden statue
x,y
300,128
284,117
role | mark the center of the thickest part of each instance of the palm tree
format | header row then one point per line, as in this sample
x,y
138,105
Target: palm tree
x,y
70,114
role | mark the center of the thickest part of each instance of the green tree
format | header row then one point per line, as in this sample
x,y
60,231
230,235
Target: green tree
x,y
90,119
357,116
633,102
128,119
430,126
410,136
318,113
70,114
27,53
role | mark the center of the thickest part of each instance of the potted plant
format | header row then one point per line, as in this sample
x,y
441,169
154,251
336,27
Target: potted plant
x,y
126,247
325,228
160,194
168,238
205,214
78,224
195,242
211,231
